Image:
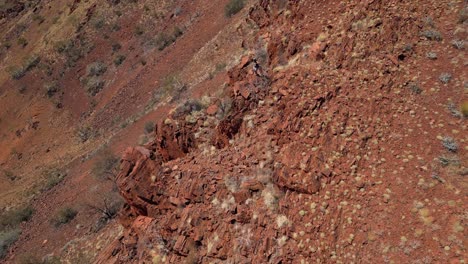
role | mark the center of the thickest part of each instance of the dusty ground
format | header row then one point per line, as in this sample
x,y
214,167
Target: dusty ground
x,y
348,146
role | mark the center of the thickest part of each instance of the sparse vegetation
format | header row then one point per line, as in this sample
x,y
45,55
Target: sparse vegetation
x,y
98,22
458,44
7,238
9,230
52,178
29,64
163,39
116,47
414,87
64,216
149,127
450,144
97,68
446,161
431,55
454,110
119,59
108,206
22,42
105,166
51,89
91,81
84,133
38,18
11,219
233,7
10,175
73,50
432,34
94,85
445,77
139,30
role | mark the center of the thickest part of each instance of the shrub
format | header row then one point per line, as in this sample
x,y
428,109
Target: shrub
x,y
233,7
149,127
10,175
432,34
116,47
7,238
17,73
96,69
94,85
458,44
119,60
98,22
13,218
105,166
163,39
22,42
450,144
64,216
53,178
29,64
84,133
454,110
431,55
139,30
40,19
414,88
73,50
51,89
109,205
445,77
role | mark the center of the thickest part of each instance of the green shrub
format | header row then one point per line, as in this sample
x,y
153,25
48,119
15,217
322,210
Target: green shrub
x,y
73,50
97,68
51,89
119,59
149,127
53,178
40,19
98,22
17,73
432,34
233,7
64,216
94,85
13,218
29,64
7,238
163,39
85,133
10,175
22,42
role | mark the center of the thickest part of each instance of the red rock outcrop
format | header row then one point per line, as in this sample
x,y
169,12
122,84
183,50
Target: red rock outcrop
x,y
317,159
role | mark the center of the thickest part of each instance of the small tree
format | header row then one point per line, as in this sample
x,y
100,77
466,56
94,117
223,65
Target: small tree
x,y
106,165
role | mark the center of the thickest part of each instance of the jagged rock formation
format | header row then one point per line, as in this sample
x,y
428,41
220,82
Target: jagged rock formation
x,y
328,157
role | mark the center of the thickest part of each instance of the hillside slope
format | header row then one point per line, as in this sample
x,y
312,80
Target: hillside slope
x,y
291,132
348,145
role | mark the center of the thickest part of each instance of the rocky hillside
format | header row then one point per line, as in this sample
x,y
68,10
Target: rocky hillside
x,y
348,145
337,135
